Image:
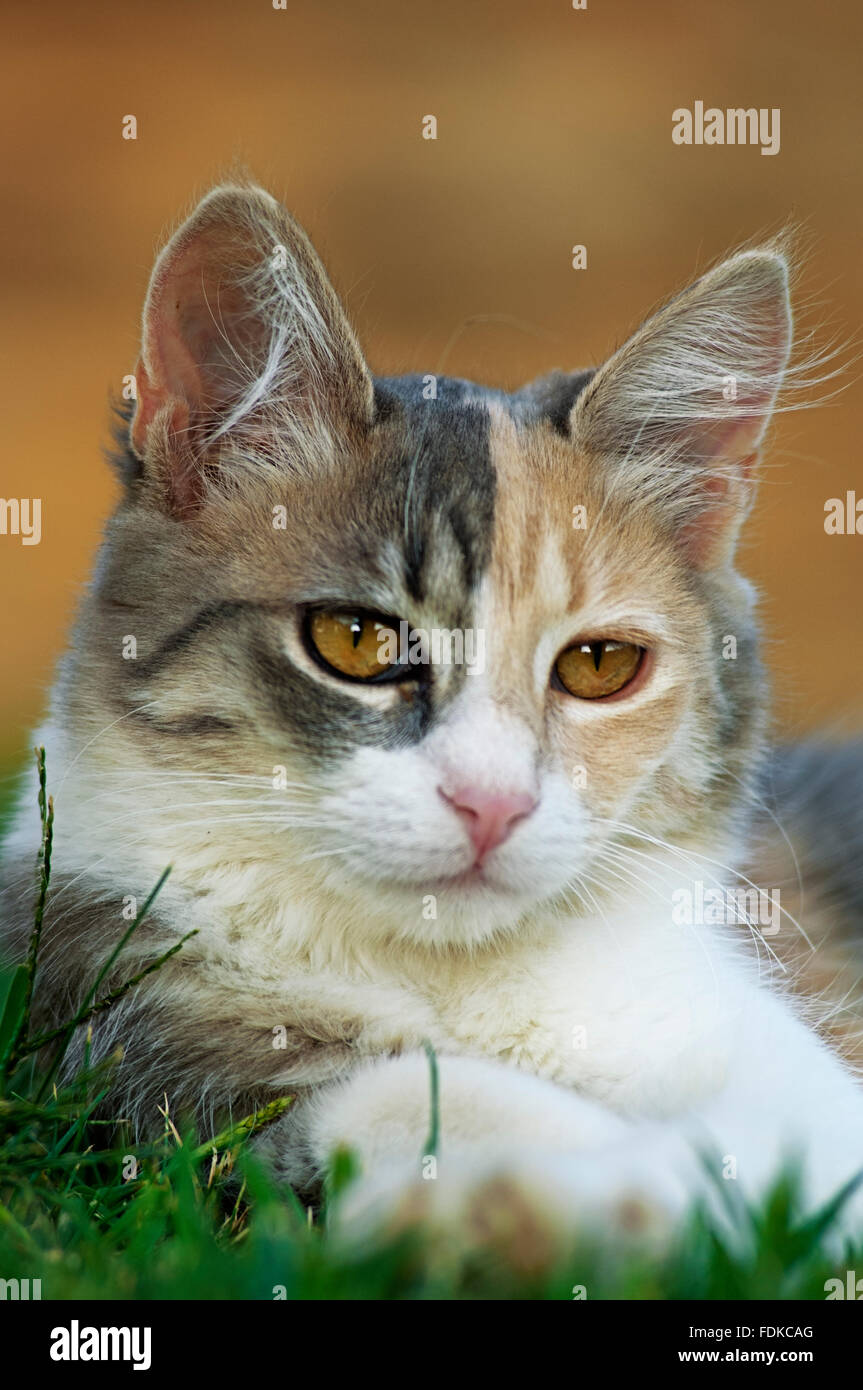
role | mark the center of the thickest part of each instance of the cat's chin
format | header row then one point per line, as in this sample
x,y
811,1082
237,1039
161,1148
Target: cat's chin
x,y
465,908
472,880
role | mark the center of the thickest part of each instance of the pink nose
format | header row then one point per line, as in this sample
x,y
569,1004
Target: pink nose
x,y
489,816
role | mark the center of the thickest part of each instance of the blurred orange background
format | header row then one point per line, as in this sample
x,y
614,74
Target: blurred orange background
x,y
554,128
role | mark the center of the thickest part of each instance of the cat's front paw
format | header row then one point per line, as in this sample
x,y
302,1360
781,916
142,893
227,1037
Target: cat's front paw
x,y
383,1112
526,1207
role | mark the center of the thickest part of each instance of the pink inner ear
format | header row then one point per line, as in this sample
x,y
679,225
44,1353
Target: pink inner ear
x,y
710,537
177,386
731,448
196,326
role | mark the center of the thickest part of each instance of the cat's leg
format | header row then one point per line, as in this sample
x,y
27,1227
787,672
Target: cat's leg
x,y
787,1098
787,1104
506,1139
784,1096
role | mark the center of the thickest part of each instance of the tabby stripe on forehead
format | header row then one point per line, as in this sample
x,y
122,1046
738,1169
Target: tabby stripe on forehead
x,y
180,640
447,475
186,726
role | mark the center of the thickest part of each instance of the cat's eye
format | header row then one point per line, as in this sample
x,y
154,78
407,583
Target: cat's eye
x,y
354,644
590,670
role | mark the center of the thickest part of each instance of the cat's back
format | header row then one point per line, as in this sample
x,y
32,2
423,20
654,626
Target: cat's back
x,y
808,848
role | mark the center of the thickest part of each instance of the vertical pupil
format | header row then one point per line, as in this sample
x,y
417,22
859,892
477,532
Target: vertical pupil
x,y
356,631
597,650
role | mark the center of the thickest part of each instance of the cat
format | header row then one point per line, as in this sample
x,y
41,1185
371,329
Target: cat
x,y
381,854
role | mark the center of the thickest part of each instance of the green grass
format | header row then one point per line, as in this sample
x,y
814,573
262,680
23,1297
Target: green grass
x,y
93,1215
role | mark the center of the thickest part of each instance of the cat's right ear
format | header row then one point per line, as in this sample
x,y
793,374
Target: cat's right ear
x,y
247,358
679,413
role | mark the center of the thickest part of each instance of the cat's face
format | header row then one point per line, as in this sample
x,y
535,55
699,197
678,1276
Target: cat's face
x,y
432,650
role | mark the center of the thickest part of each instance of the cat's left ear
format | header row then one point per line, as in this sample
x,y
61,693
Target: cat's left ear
x,y
679,413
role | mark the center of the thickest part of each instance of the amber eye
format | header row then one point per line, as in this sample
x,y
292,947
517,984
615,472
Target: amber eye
x,y
590,670
355,644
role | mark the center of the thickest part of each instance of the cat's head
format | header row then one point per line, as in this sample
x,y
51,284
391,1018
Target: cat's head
x,y
413,646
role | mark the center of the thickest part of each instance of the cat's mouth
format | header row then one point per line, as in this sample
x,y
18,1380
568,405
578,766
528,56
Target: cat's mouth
x,y
473,877
477,880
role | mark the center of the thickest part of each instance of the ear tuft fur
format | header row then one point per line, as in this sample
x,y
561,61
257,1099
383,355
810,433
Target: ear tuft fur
x,y
680,411
247,361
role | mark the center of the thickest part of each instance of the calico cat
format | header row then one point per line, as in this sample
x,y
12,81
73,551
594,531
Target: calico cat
x,y
381,850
